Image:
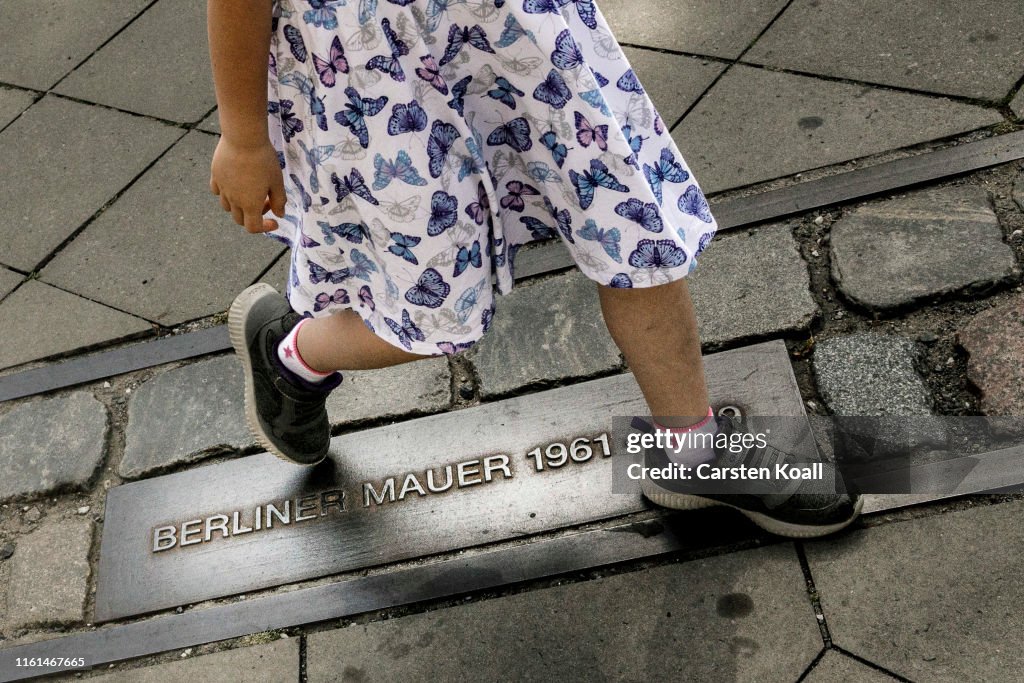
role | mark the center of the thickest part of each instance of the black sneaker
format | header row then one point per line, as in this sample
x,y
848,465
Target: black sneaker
x,y
286,413
796,509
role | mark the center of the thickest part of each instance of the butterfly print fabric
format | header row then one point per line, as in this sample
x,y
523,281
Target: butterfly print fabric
x,y
423,142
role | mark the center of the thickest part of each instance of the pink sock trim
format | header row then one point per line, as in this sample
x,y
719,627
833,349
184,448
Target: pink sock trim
x,y
298,356
684,430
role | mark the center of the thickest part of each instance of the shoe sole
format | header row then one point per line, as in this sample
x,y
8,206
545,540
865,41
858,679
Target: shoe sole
x,y
683,501
237,315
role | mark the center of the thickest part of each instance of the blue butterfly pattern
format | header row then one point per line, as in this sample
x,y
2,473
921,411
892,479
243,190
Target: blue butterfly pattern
x,y
423,142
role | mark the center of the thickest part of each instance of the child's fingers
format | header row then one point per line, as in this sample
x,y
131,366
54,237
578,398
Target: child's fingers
x,y
269,224
277,197
253,221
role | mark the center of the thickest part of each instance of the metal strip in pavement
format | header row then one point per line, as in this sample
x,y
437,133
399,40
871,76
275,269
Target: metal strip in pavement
x,y
999,471
848,186
489,569
109,363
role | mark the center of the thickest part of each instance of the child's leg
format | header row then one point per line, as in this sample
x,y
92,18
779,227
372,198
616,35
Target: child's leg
x,y
343,342
656,330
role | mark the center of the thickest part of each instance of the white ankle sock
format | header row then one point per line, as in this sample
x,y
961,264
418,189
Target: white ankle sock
x,y
692,445
288,353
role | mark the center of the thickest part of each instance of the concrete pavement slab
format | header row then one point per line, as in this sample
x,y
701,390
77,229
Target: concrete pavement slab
x,y
721,28
898,252
158,66
838,668
40,321
49,575
211,124
739,617
45,40
547,331
957,48
930,599
12,103
757,124
276,662
165,250
995,341
277,276
51,444
673,82
750,285
67,159
205,399
8,281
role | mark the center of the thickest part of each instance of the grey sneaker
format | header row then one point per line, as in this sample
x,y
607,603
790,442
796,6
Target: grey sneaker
x,y
798,509
286,413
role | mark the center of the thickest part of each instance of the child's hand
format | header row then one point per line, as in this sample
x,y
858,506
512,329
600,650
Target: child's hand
x,y
249,183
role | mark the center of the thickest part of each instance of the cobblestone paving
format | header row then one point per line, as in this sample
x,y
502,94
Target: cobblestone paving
x,y
995,341
836,284
898,252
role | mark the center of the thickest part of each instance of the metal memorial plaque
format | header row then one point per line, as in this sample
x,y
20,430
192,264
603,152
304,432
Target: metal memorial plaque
x,y
408,490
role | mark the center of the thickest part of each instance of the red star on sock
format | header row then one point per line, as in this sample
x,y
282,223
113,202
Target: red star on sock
x,y
288,351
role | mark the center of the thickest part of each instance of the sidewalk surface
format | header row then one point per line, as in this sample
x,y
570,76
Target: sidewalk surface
x,y
907,304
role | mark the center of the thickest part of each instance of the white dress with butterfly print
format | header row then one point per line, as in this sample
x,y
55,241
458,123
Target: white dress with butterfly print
x,y
424,141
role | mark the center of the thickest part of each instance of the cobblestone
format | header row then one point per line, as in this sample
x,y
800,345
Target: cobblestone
x,y
206,402
420,386
870,374
898,252
1017,105
1018,184
867,374
752,285
995,341
51,444
49,574
547,331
